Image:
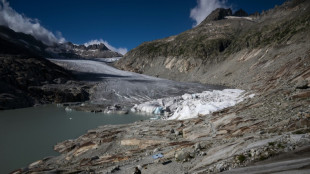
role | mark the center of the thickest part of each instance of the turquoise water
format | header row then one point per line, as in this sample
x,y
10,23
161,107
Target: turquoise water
x,y
29,134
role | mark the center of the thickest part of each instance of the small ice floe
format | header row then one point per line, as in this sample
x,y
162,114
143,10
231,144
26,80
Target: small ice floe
x,y
158,110
68,109
70,118
192,105
108,60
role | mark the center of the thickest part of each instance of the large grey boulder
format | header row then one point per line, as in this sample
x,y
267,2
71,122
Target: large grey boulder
x,y
182,155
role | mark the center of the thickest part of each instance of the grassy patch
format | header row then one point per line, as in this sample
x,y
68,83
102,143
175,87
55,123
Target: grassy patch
x,y
241,158
298,132
280,146
261,158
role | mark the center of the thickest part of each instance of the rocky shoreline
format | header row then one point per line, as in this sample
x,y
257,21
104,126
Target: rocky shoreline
x,y
234,137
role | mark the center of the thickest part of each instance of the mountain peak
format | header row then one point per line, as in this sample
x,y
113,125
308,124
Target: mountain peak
x,y
100,46
241,13
218,14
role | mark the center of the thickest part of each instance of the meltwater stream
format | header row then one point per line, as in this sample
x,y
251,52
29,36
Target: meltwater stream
x,y
29,134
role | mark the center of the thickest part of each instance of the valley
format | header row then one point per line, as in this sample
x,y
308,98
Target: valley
x,y
230,95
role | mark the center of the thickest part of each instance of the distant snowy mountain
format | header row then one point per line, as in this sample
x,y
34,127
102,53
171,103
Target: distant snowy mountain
x,y
69,50
12,42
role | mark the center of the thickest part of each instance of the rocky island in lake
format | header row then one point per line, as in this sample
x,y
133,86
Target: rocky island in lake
x,y
229,94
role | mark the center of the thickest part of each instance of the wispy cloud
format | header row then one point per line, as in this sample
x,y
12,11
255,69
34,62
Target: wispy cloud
x,y
20,23
123,51
204,8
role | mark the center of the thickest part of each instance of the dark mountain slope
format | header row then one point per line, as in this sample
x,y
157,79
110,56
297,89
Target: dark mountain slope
x,y
22,68
19,73
12,42
15,43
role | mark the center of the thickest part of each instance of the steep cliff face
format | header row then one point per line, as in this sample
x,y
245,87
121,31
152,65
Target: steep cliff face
x,y
245,52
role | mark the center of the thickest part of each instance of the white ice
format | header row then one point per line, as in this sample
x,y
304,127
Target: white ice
x,y
192,105
114,86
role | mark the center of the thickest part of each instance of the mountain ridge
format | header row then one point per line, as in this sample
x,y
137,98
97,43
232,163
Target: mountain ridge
x,y
20,43
191,55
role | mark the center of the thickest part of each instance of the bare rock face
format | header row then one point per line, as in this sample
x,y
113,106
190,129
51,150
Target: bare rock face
x,y
60,93
241,13
218,14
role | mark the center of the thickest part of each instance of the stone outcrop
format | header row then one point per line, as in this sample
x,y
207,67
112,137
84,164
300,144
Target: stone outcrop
x,y
218,14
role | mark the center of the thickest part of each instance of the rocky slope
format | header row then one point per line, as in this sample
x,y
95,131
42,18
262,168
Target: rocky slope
x,y
26,78
14,43
25,82
231,138
243,52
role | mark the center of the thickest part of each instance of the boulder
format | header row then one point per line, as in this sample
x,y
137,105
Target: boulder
x,y
302,84
197,146
301,95
182,155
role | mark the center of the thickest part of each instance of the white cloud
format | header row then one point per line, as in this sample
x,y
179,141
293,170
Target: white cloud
x,y
20,23
123,51
204,8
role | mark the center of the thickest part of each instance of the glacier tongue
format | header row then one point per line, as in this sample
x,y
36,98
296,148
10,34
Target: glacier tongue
x,y
192,105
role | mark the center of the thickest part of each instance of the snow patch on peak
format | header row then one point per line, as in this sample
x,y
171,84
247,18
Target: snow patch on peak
x,y
122,51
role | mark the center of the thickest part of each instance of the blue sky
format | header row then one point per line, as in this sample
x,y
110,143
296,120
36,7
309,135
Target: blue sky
x,y
123,23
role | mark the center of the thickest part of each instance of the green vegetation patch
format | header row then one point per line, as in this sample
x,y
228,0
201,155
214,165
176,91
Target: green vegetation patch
x,y
241,158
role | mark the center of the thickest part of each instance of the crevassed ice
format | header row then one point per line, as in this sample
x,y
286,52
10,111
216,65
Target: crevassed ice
x,y
192,105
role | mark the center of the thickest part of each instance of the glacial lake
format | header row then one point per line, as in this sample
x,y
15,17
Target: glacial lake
x,y
29,134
